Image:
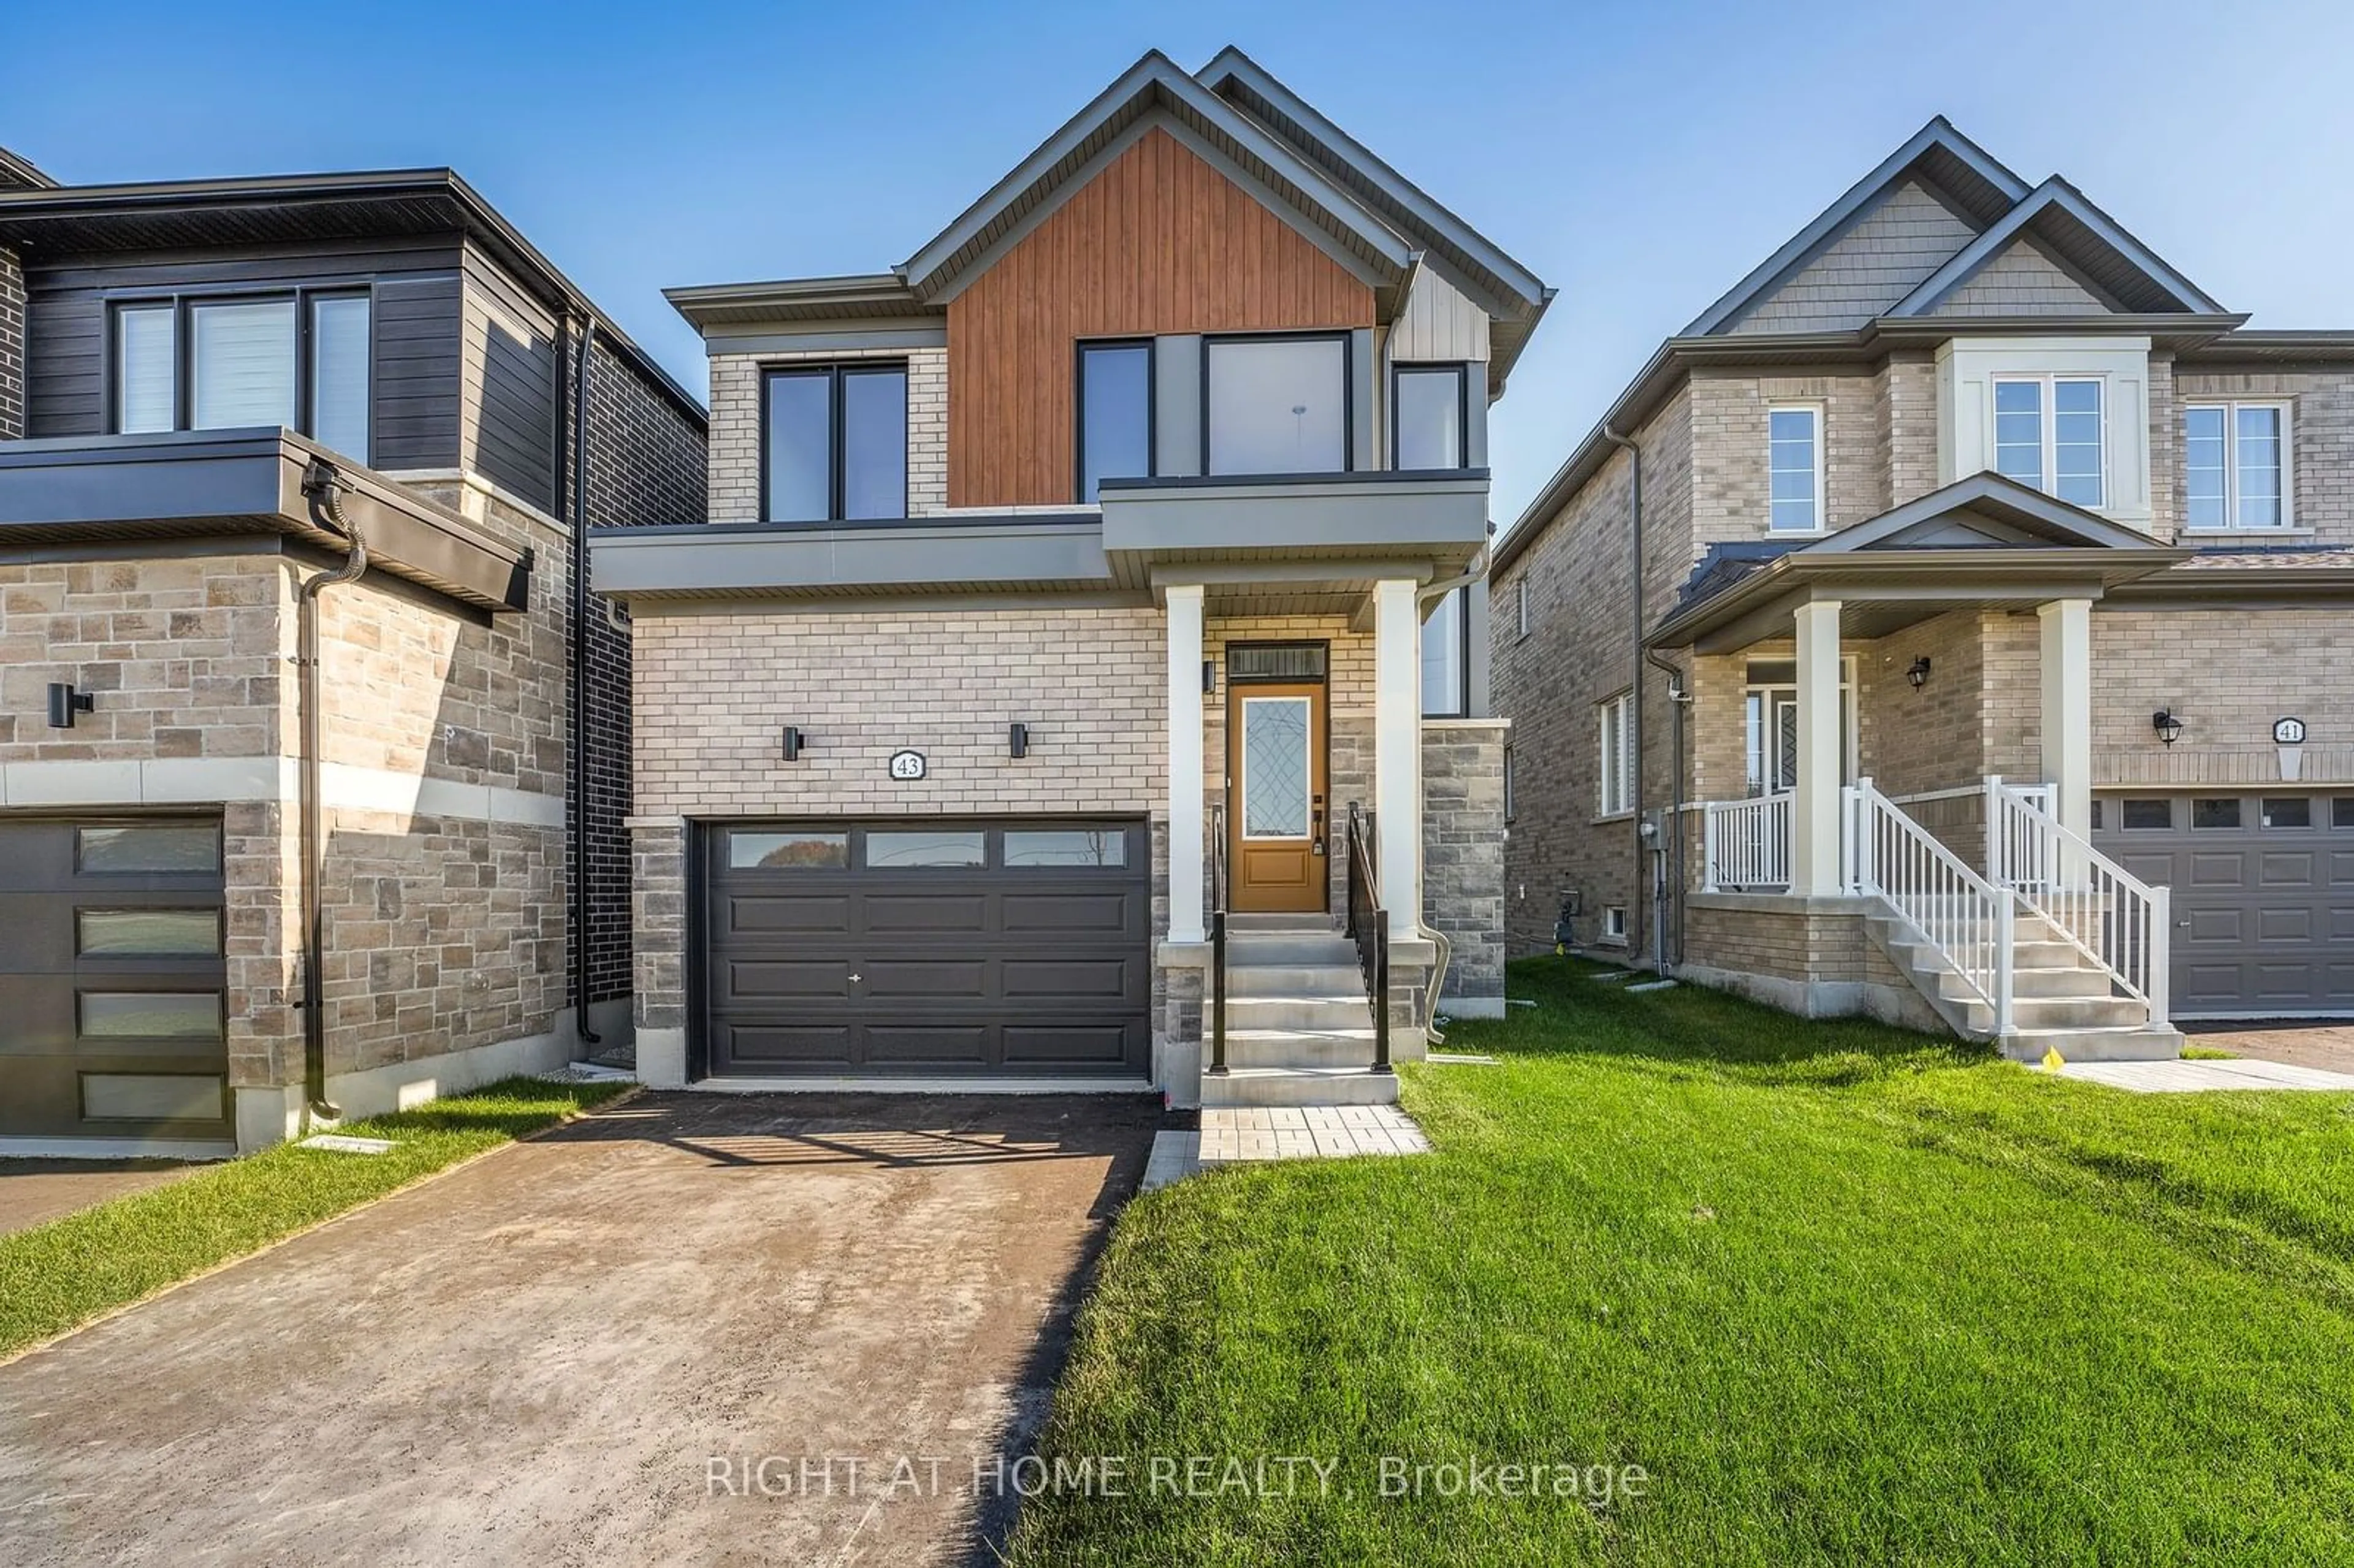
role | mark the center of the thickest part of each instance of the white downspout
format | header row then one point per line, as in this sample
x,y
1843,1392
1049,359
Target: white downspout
x,y
1438,939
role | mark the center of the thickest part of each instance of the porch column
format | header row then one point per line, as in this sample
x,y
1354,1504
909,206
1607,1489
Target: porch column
x,y
1397,750
1185,802
1815,812
2067,657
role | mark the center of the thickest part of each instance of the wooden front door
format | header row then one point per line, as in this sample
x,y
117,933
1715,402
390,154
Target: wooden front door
x,y
1275,794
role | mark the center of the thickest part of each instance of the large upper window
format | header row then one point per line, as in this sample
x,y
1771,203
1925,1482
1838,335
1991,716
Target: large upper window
x,y
2236,467
1793,456
1275,404
834,440
1444,651
1115,435
2047,434
299,361
1430,406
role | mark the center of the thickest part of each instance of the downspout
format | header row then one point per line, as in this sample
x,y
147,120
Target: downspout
x,y
1635,702
1669,950
578,942
320,484
1428,594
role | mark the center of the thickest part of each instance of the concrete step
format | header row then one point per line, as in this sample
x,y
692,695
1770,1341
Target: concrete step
x,y
2063,1012
2085,981
1298,1047
1263,949
2129,1044
1298,1087
1295,979
1316,1012
1319,924
2024,955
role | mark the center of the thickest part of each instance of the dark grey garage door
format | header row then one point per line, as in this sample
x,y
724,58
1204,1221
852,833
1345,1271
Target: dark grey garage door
x,y
2263,892
1012,947
112,993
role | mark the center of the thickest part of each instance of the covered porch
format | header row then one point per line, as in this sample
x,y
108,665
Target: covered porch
x,y
1893,724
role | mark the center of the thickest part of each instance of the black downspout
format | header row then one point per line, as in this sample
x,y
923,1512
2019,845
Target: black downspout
x,y
1672,895
320,484
1636,906
579,467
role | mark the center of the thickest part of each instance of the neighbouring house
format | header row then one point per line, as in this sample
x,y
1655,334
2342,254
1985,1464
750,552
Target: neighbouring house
x,y
1992,662
1099,581
225,404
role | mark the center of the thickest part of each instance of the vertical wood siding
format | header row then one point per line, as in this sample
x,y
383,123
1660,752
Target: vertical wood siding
x,y
1156,242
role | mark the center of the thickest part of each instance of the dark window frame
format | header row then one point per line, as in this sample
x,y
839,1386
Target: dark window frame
x,y
1079,350
1347,340
836,372
1461,370
182,303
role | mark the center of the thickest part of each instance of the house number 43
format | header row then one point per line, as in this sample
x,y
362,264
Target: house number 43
x,y
907,765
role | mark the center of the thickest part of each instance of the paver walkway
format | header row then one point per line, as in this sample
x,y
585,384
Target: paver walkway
x,y
2192,1077
1230,1135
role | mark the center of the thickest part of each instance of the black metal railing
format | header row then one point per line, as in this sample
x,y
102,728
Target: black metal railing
x,y
1369,927
1217,939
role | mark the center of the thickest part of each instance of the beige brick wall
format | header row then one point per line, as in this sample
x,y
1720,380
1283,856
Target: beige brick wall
x,y
734,489
2228,674
2321,435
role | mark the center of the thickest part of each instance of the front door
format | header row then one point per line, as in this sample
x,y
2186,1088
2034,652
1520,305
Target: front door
x,y
1276,791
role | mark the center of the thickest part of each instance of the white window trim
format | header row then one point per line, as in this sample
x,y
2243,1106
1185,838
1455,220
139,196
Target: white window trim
x,y
1613,797
2232,526
1822,505
1851,742
2048,418
1604,935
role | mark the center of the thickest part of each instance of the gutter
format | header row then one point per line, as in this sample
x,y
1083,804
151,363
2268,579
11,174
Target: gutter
x,y
320,484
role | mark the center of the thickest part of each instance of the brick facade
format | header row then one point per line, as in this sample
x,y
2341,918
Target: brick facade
x,y
735,457
11,346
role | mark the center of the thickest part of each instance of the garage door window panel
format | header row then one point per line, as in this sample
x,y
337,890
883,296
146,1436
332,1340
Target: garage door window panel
x,y
908,851
787,852
2223,813
1064,848
151,1015
148,933
148,850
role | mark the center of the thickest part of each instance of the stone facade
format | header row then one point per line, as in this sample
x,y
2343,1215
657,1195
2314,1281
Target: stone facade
x,y
734,459
1463,857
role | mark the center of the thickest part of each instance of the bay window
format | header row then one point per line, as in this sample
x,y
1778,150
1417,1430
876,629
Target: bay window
x,y
2048,436
1275,404
834,443
2236,465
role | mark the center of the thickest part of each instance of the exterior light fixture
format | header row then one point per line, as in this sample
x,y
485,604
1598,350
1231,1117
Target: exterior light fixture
x,y
793,744
1017,740
2169,727
65,701
1919,672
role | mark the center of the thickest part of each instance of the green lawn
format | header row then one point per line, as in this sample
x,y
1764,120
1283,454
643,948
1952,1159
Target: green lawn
x,y
70,1270
1844,1294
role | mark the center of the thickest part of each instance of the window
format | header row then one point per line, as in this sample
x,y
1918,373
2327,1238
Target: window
x,y
1430,406
147,933
2342,812
1275,404
1507,784
2218,813
1793,449
151,1014
297,360
1444,657
1614,923
787,852
835,443
2047,434
886,852
1114,434
1521,606
1618,762
1065,846
2287,812
2145,816
156,848
1770,723
2236,465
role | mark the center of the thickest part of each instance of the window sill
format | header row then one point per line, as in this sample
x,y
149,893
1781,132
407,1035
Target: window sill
x,y
1618,942
1772,533
1614,817
2213,534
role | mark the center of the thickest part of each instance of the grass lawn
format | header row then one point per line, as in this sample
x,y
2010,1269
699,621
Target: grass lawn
x,y
55,1276
1843,1293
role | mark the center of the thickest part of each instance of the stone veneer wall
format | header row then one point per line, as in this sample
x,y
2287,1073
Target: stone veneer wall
x,y
1463,857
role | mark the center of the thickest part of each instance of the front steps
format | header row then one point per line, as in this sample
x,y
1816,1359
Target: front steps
x,y
2060,1000
1300,1030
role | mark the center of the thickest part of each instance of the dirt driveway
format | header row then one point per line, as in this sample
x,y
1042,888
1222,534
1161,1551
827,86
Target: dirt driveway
x,y
580,1350
2300,1042
35,1191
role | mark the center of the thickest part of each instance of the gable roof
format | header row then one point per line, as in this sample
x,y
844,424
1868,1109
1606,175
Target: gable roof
x,y
1983,510
1965,173
2081,235
18,173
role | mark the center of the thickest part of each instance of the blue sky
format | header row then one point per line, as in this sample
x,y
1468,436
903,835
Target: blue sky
x,y
1638,157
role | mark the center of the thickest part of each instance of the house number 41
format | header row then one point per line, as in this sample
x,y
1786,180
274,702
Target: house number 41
x,y
2288,732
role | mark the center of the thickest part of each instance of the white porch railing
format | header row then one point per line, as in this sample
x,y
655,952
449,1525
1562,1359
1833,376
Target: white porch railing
x,y
1745,843
2117,920
1969,921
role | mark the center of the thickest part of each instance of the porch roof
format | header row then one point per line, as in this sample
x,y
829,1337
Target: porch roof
x,y
1983,541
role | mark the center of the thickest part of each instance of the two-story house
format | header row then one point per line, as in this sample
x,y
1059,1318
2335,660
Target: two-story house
x,y
314,754
1081,638
1954,622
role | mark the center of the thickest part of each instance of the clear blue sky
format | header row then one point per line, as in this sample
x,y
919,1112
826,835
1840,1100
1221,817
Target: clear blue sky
x,y
1639,157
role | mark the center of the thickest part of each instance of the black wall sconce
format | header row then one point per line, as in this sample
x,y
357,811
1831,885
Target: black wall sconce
x,y
1919,671
2169,727
65,701
1017,739
1209,677
793,744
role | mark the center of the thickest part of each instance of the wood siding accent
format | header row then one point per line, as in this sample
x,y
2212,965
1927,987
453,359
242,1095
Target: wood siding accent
x,y
1156,242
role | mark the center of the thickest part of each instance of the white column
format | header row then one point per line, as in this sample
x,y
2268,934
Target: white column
x,y
2067,657
1397,750
1814,813
1186,803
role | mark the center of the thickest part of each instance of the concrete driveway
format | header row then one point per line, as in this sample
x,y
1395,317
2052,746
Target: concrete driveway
x,y
583,1348
2300,1042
